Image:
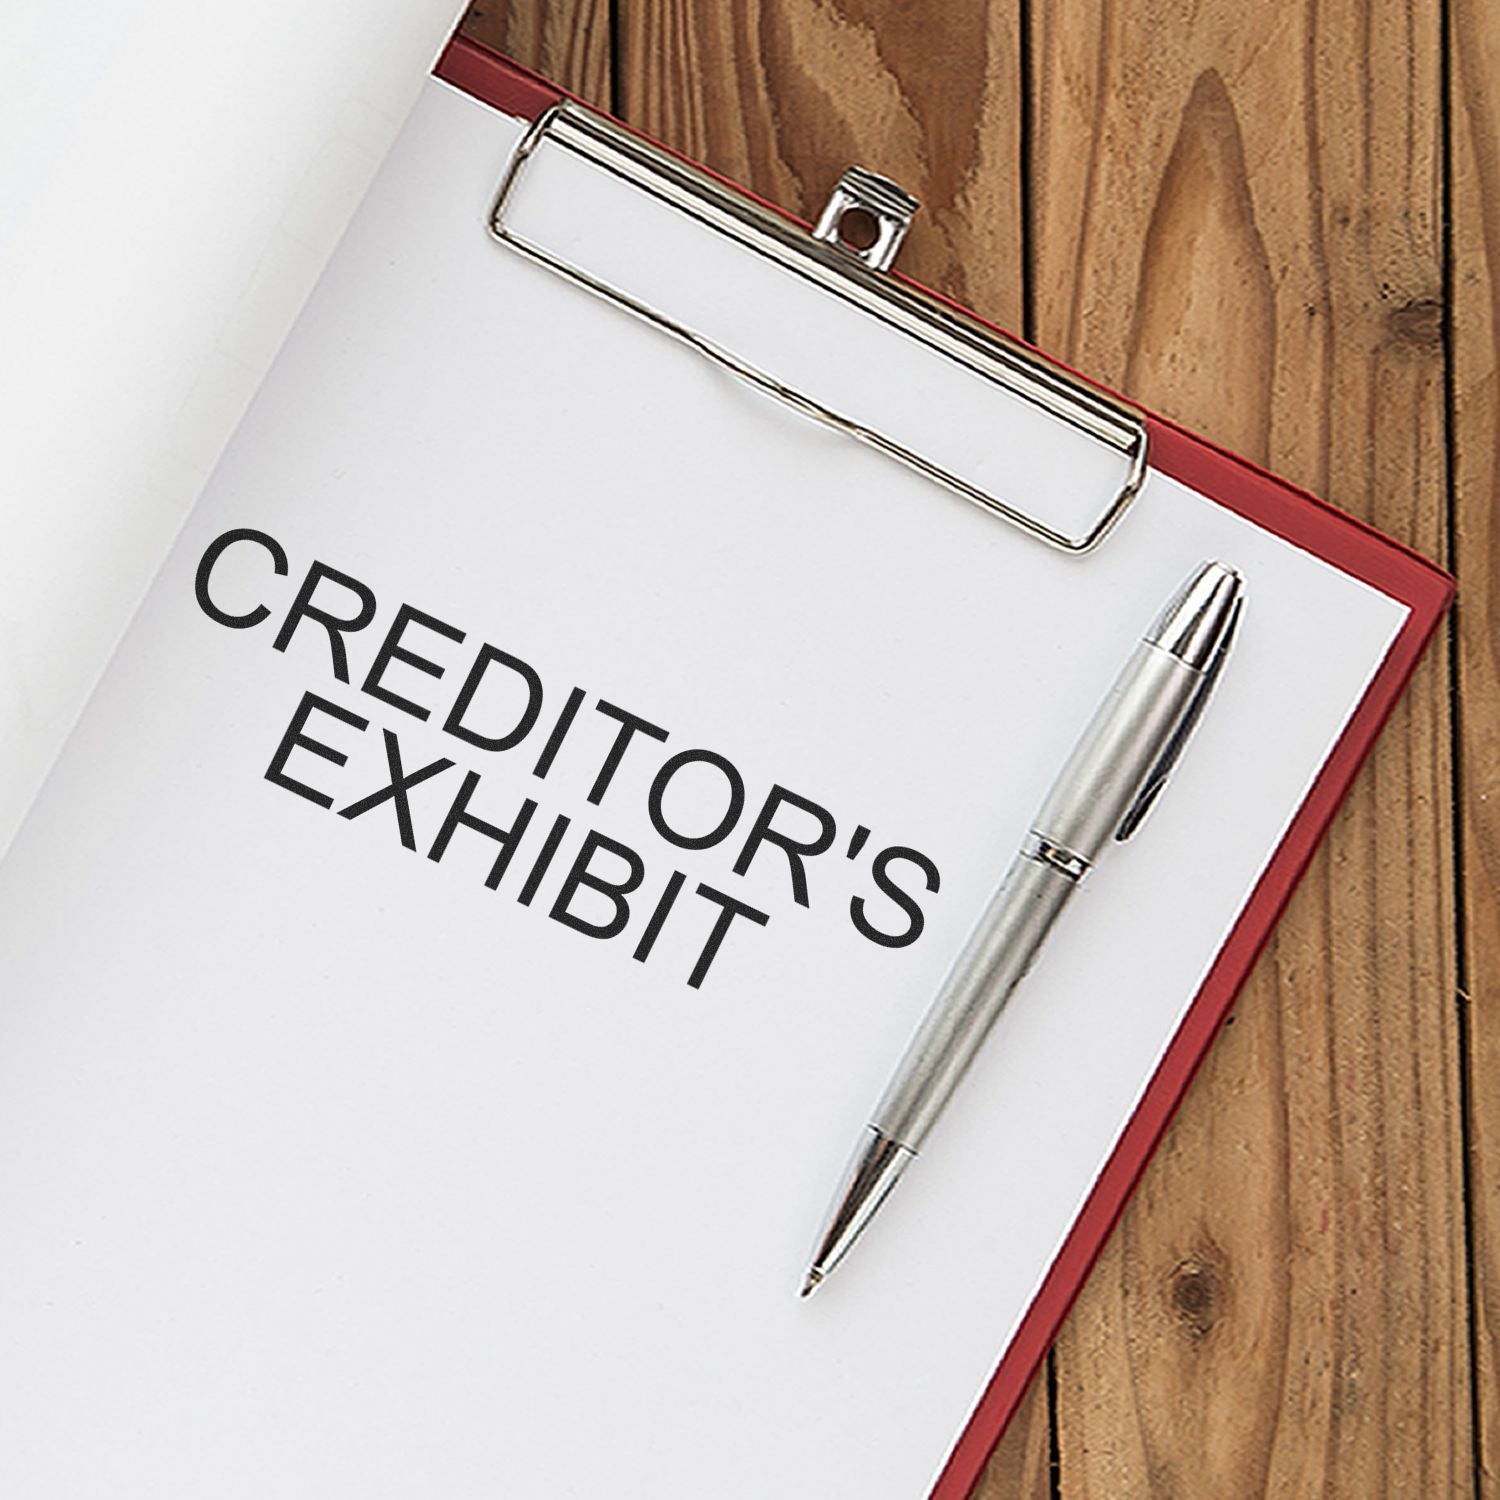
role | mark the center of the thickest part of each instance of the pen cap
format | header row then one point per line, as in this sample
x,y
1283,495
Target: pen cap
x,y
1142,721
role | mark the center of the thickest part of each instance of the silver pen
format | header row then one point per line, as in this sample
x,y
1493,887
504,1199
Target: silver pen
x,y
1102,792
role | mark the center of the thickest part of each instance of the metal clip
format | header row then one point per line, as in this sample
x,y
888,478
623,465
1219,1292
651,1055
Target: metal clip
x,y
837,260
867,217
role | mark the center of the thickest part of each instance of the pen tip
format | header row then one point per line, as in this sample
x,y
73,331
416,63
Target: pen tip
x,y
814,1276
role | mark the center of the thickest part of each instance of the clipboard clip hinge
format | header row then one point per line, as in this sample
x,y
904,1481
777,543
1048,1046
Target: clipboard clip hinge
x,y
866,216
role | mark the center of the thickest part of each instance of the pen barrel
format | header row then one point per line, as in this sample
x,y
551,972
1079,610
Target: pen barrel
x,y
994,960
1128,733
1093,791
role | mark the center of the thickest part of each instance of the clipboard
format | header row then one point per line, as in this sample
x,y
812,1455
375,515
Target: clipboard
x,y
1130,459
1232,481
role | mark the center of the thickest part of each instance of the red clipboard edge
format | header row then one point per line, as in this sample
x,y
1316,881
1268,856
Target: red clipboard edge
x,y
496,80
1305,521
1427,591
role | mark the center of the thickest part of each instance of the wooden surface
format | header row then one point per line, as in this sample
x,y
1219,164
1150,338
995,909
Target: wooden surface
x,y
1278,221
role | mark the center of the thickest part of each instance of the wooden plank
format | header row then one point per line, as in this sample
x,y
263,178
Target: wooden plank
x,y
567,41
782,96
1474,116
1237,220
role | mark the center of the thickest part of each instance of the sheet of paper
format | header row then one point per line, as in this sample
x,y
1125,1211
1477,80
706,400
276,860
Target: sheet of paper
x,y
326,1169
172,181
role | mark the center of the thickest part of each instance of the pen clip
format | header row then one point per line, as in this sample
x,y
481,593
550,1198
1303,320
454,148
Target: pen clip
x,y
1156,777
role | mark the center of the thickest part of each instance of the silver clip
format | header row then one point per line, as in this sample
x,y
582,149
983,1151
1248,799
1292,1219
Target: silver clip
x,y
1156,778
836,262
867,217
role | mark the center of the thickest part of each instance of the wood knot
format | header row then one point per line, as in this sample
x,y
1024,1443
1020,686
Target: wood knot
x,y
1417,323
1197,1292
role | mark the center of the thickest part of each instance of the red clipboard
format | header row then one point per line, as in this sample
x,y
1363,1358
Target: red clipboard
x,y
1288,512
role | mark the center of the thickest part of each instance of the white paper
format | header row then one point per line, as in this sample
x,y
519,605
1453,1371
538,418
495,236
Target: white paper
x,y
325,1170
172,180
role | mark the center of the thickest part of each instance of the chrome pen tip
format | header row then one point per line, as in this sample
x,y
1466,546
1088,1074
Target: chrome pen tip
x,y
809,1285
1196,619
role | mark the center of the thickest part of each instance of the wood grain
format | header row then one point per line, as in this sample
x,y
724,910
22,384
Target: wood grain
x,y
782,95
567,41
1474,118
1238,221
